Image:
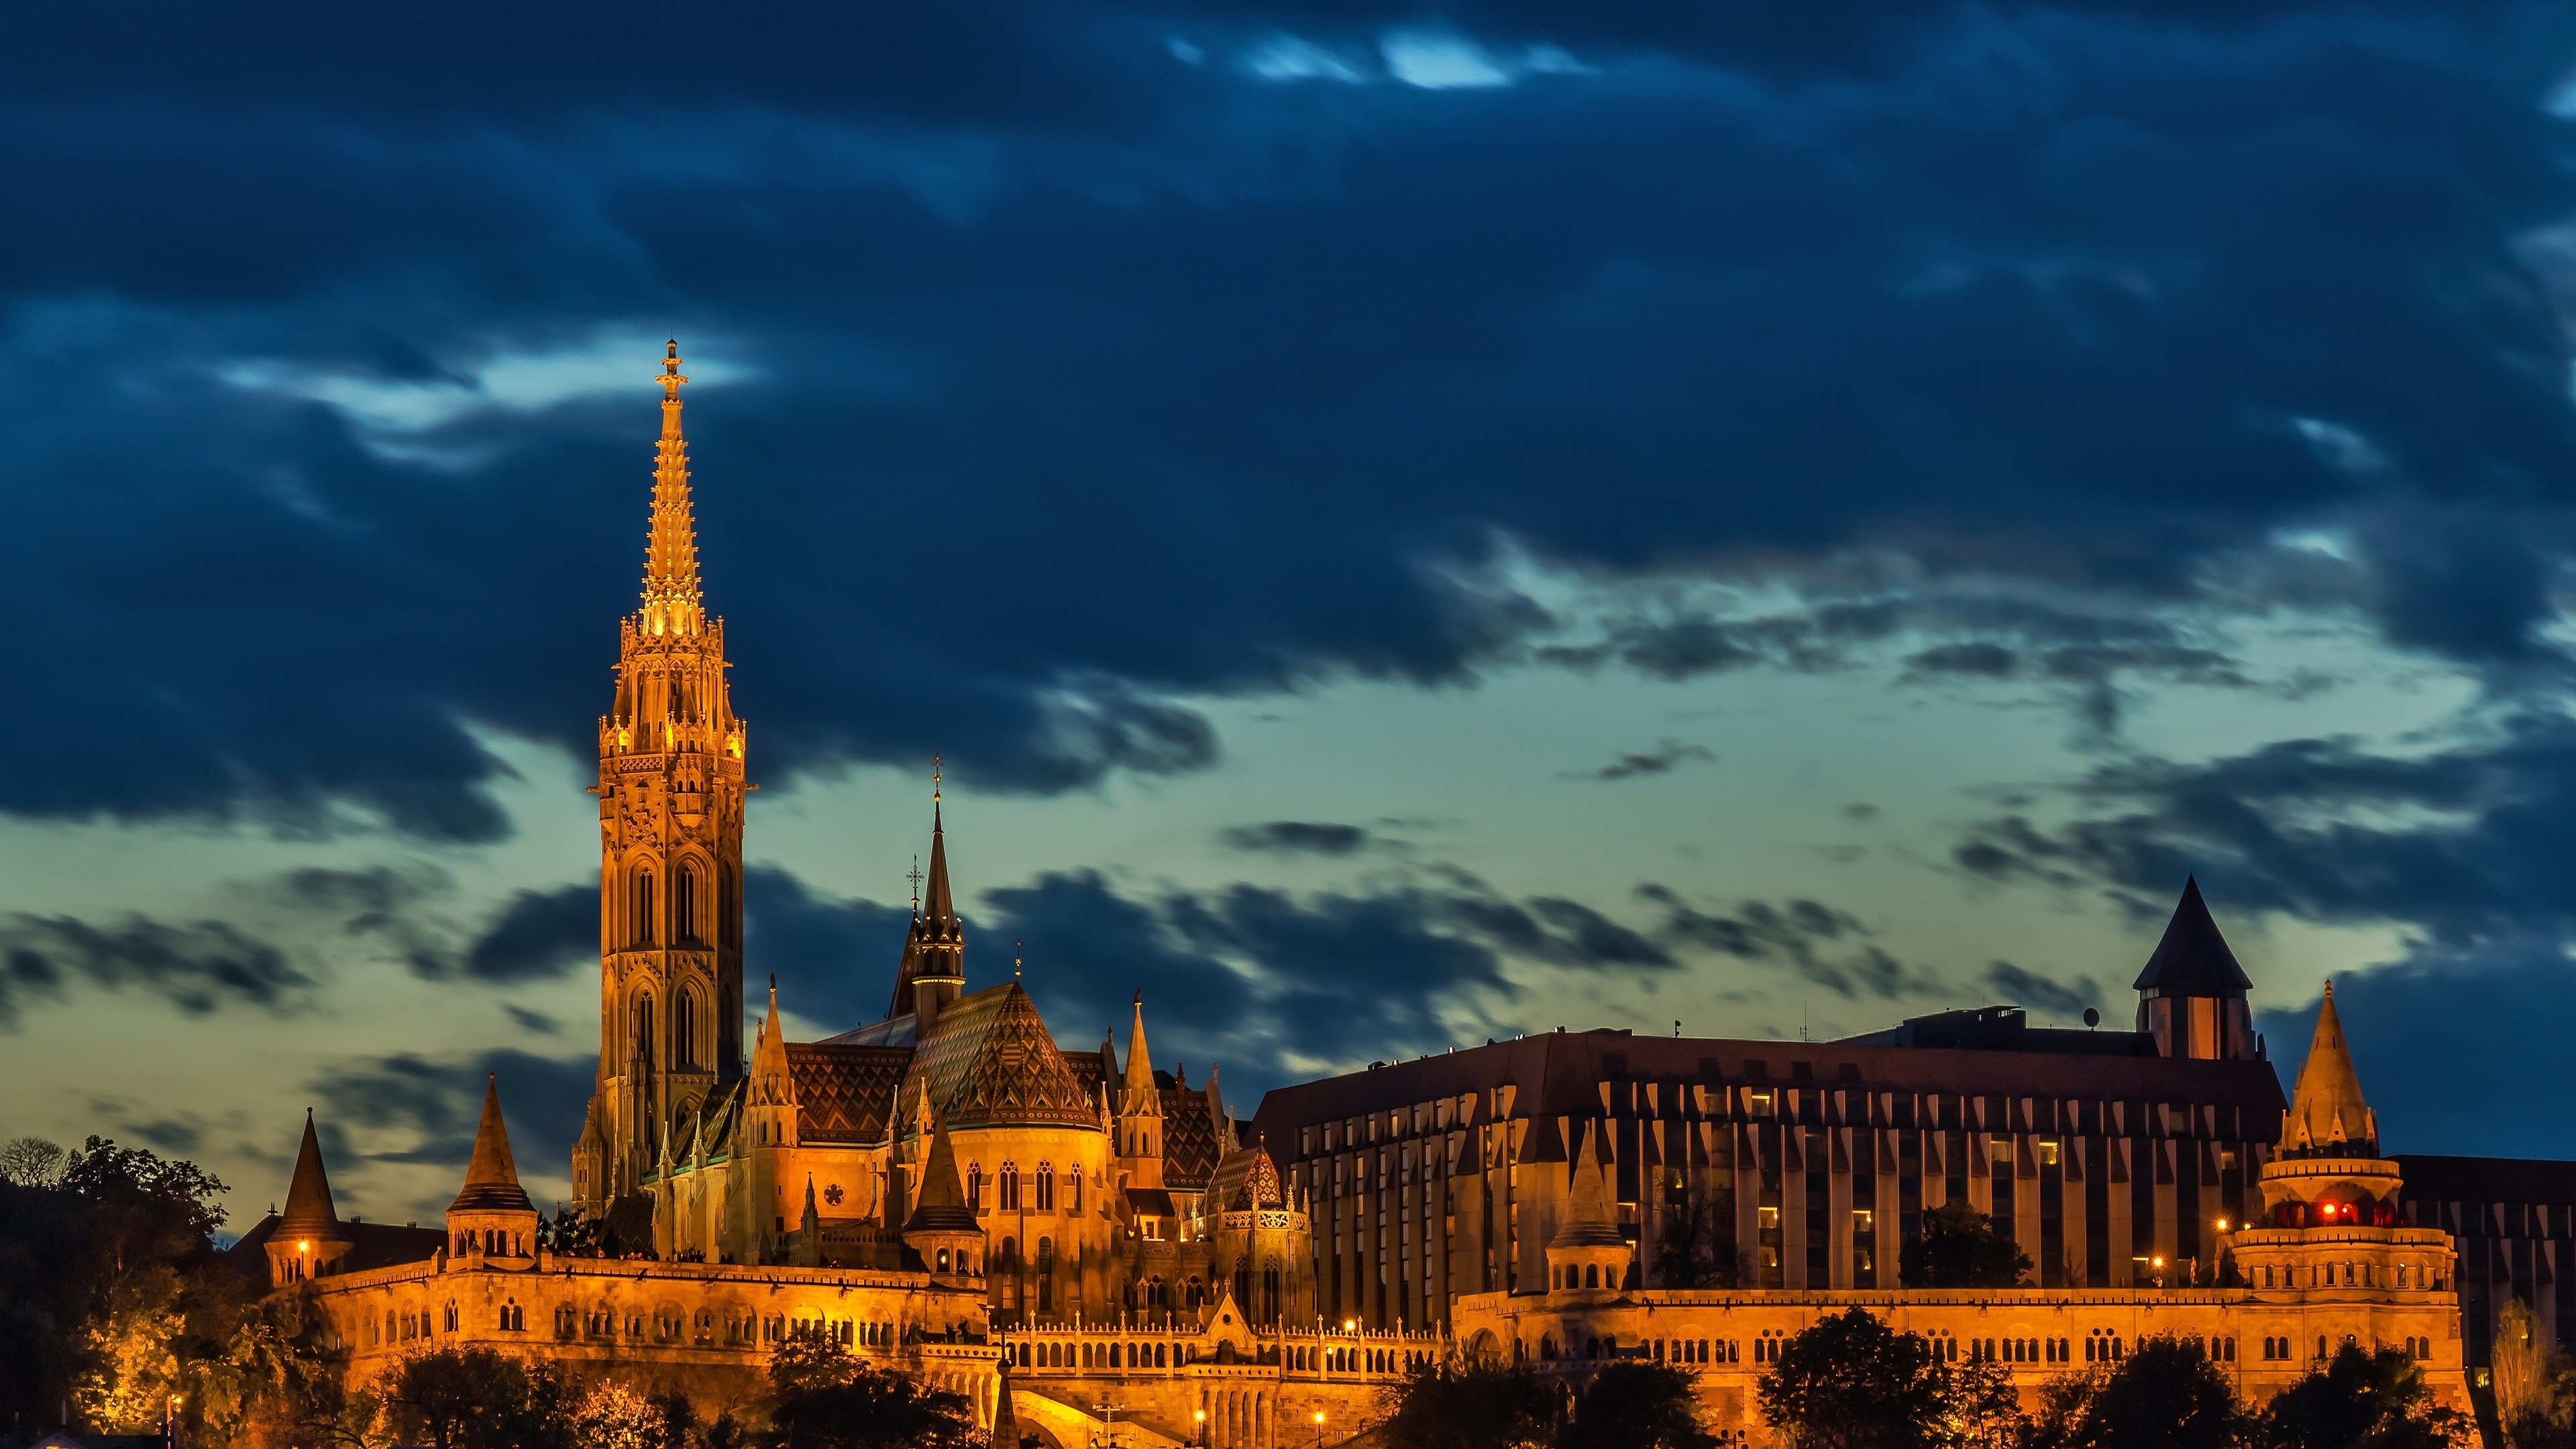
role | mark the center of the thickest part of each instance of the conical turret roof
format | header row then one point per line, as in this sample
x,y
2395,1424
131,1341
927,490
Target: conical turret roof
x,y
941,1207
491,1177
1138,1096
309,1213
2328,1117
2193,958
1588,1223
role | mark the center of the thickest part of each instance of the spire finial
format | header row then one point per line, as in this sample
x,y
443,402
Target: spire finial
x,y
671,377
1015,960
915,878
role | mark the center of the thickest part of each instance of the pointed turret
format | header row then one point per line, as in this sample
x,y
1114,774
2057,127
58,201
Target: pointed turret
x,y
1139,1094
309,1210
309,1240
1588,1220
2328,1117
492,1214
941,1207
942,1227
932,971
2191,996
1006,1419
1587,1253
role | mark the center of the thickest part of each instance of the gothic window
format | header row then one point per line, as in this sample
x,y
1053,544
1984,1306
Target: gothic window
x,y
644,1026
1009,1184
974,1187
640,918
725,912
1073,1191
684,1024
684,905
1046,1187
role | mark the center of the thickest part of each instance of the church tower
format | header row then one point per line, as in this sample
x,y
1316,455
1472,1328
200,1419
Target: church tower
x,y
670,868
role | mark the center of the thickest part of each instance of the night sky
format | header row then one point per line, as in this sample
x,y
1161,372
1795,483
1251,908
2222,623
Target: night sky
x,y
1407,524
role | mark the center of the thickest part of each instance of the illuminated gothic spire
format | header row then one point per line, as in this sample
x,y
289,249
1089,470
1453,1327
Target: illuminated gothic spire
x,y
671,597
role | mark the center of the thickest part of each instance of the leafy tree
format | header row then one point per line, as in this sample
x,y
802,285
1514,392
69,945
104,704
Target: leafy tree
x,y
820,1397
613,1416
2165,1395
474,1398
110,1287
2364,1400
1468,1403
1852,1382
1959,1248
1635,1404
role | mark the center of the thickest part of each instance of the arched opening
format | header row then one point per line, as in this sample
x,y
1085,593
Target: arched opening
x,y
684,905
684,1027
639,926
644,1026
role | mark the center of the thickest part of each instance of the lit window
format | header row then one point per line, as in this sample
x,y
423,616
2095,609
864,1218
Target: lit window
x,y
2047,1153
1864,1221
1770,1219
2001,1151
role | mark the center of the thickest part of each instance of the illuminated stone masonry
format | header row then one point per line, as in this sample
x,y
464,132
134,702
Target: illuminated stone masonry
x,y
1073,1234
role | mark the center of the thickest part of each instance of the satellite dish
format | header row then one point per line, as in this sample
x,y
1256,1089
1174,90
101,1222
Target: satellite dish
x,y
2092,1017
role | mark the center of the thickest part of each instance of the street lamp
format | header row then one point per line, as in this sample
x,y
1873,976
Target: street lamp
x,y
1201,1416
1319,1429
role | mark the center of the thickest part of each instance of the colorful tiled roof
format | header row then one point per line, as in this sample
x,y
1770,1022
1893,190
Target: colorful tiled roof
x,y
992,1063
845,1093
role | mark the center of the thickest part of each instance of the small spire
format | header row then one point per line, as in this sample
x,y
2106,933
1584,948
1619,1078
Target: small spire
x,y
1015,960
309,1213
491,1175
1588,1223
915,878
2328,1116
1138,1089
940,1205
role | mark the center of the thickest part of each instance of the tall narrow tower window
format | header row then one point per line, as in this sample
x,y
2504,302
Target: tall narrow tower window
x,y
684,906
641,928
644,1027
684,1026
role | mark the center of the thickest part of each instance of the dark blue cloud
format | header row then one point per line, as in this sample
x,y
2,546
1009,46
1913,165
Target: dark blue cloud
x,y
834,958
1077,376
432,1105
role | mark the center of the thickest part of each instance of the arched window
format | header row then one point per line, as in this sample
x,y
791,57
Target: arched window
x,y
1009,1183
684,1024
684,905
974,1187
644,1026
1045,1185
640,918
1073,1191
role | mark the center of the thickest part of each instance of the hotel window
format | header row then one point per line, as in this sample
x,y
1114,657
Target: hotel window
x,y
1864,1222
2047,1153
1769,1218
1758,1102
2000,1151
